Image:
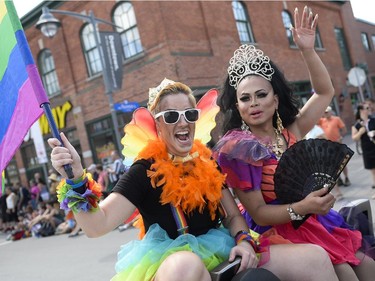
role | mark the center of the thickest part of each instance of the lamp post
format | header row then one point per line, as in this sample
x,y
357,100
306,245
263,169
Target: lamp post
x,y
49,25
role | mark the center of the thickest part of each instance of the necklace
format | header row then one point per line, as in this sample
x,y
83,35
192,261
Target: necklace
x,y
277,145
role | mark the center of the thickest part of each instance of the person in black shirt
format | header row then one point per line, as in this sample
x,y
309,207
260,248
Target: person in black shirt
x,y
364,130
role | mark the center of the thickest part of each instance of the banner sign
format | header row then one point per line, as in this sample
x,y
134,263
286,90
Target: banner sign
x,y
112,51
36,135
126,106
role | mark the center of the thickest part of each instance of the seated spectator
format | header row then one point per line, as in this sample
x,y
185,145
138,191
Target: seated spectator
x,y
50,218
67,225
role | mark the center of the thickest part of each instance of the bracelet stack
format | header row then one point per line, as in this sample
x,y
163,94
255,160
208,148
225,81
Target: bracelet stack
x,y
293,215
259,243
83,194
245,236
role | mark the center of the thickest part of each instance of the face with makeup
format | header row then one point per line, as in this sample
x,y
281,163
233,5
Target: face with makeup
x,y
256,101
178,136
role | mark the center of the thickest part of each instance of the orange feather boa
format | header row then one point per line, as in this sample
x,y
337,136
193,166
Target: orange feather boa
x,y
194,184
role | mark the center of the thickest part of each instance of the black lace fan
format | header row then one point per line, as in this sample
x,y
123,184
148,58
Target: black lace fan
x,y
307,166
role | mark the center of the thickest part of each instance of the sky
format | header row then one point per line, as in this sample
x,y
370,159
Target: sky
x,y
361,8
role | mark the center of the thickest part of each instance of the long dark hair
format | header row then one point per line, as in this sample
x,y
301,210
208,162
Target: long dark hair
x,y
288,104
358,113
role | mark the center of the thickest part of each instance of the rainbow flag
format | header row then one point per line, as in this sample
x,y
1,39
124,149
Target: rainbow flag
x,y
21,90
2,183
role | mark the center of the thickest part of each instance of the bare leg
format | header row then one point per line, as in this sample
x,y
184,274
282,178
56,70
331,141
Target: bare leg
x,y
373,180
182,266
346,173
366,269
296,262
345,272
337,192
373,176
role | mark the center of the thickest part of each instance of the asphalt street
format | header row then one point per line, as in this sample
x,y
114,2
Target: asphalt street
x,y
60,258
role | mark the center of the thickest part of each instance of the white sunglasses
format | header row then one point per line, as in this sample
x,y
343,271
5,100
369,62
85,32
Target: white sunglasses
x,y
173,116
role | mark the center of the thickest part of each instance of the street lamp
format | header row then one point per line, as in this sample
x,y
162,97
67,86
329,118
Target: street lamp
x,y
49,25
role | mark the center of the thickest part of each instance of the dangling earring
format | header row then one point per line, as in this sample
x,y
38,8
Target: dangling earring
x,y
244,127
279,123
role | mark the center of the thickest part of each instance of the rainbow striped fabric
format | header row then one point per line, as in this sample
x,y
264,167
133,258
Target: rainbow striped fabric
x,y
21,90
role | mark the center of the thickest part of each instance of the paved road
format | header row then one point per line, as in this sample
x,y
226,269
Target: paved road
x,y
60,258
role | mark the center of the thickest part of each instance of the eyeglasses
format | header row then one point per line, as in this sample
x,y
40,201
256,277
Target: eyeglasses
x,y
173,116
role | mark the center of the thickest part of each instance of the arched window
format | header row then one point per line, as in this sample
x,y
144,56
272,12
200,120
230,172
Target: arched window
x,y
124,17
287,21
48,72
91,50
243,22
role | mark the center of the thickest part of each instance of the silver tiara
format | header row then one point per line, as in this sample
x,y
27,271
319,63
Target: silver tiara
x,y
153,92
248,60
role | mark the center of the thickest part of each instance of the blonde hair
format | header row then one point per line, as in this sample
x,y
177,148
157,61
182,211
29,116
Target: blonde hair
x,y
174,88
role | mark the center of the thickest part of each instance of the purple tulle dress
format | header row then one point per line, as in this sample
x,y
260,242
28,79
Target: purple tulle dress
x,y
250,166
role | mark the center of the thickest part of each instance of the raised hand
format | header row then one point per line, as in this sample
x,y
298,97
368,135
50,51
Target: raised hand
x,y
304,29
63,155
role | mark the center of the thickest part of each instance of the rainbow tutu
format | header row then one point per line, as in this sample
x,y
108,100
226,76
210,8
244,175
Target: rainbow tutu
x,y
139,260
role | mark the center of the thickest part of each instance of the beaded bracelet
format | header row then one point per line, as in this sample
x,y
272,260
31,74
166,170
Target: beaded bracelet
x,y
245,236
293,215
70,199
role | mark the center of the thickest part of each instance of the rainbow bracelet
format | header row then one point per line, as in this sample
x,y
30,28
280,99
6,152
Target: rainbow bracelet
x,y
245,236
70,199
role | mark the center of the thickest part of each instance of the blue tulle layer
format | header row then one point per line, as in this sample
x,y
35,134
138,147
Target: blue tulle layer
x,y
140,259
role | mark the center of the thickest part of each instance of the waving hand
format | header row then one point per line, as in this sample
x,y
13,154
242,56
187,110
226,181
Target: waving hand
x,y
304,29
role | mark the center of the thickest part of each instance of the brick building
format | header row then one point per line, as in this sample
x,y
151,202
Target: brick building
x,y
187,41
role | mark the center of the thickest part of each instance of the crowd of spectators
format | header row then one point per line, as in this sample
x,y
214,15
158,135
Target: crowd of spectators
x,y
33,211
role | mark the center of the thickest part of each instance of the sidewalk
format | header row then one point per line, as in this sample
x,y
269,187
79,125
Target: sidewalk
x,y
360,178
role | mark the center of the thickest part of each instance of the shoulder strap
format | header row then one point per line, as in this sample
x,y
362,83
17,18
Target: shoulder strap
x,y
179,217
178,214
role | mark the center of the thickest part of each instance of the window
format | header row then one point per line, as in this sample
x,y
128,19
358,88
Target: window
x,y
287,21
365,41
91,51
302,90
124,17
102,139
48,72
243,22
343,48
373,41
318,39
